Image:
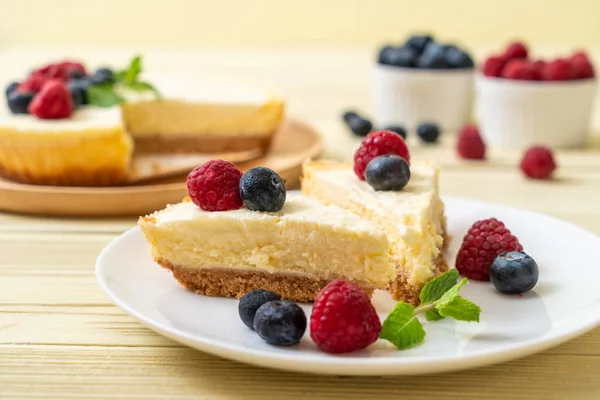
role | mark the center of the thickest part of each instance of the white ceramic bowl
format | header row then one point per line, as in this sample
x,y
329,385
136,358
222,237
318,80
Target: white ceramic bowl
x,y
517,114
409,96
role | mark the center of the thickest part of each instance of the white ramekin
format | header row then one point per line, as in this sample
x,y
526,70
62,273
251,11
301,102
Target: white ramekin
x,y
517,114
410,96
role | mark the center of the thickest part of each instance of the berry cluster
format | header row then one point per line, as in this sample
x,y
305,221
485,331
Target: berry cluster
x,y
428,132
219,185
422,51
515,63
342,319
53,91
490,251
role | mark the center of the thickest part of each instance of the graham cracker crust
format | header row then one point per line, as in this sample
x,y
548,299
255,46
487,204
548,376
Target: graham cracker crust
x,y
200,144
230,283
70,177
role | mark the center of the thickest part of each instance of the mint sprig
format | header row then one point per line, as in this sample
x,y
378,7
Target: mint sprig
x,y
440,298
128,79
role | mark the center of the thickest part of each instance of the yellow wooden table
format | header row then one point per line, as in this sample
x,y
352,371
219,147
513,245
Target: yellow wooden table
x,y
60,337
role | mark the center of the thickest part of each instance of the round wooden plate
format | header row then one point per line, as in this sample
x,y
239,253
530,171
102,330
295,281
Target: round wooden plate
x,y
293,143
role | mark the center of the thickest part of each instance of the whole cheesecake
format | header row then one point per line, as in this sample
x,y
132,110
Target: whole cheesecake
x,y
413,219
93,146
294,252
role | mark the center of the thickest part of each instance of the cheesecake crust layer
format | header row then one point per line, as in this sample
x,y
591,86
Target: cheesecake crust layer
x,y
217,282
156,144
70,177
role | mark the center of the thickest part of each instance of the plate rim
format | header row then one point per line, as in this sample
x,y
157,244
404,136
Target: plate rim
x,y
358,366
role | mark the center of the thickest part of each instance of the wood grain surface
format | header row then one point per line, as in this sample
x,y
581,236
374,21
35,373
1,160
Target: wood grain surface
x,y
60,337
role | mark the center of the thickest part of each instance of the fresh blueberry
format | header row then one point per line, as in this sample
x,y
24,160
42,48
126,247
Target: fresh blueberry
x,y
75,73
400,57
11,87
432,60
384,54
360,126
514,272
349,116
280,322
418,43
262,190
19,101
387,172
251,301
397,129
102,75
79,91
457,58
428,132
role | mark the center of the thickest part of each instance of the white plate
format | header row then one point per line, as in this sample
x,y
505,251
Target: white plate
x,y
564,304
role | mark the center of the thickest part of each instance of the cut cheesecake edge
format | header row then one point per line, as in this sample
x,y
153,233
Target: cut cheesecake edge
x,y
294,252
413,219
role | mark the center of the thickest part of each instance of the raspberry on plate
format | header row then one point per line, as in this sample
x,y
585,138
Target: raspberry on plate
x,y
470,145
53,101
493,66
215,186
520,69
515,50
558,70
538,162
377,144
484,241
343,319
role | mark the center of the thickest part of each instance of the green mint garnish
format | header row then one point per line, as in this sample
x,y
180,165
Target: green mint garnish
x,y
440,298
128,79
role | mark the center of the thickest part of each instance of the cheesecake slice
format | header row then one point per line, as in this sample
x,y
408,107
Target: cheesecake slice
x,y
199,116
294,252
413,218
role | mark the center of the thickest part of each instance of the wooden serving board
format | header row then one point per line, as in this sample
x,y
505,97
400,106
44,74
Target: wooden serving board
x,y
294,142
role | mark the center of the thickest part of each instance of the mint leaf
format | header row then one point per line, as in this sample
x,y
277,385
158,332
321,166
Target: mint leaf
x,y
402,328
103,96
134,69
435,288
433,315
142,87
459,308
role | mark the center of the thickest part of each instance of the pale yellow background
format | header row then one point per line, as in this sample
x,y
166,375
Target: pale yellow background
x,y
268,23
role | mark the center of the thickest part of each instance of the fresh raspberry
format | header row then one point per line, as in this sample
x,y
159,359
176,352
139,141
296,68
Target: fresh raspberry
x,y
470,145
515,50
377,144
343,319
69,67
539,66
53,101
520,69
558,70
582,65
493,66
580,56
484,241
538,162
215,186
32,84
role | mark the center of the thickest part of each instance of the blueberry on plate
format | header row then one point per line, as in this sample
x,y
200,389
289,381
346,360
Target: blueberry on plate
x,y
418,43
428,132
251,301
360,126
262,189
11,88
79,91
514,272
387,172
457,58
348,116
397,129
280,322
102,75
18,102
400,57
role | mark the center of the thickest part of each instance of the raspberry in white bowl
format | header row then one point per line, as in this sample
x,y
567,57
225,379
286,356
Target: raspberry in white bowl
x,y
522,101
423,81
